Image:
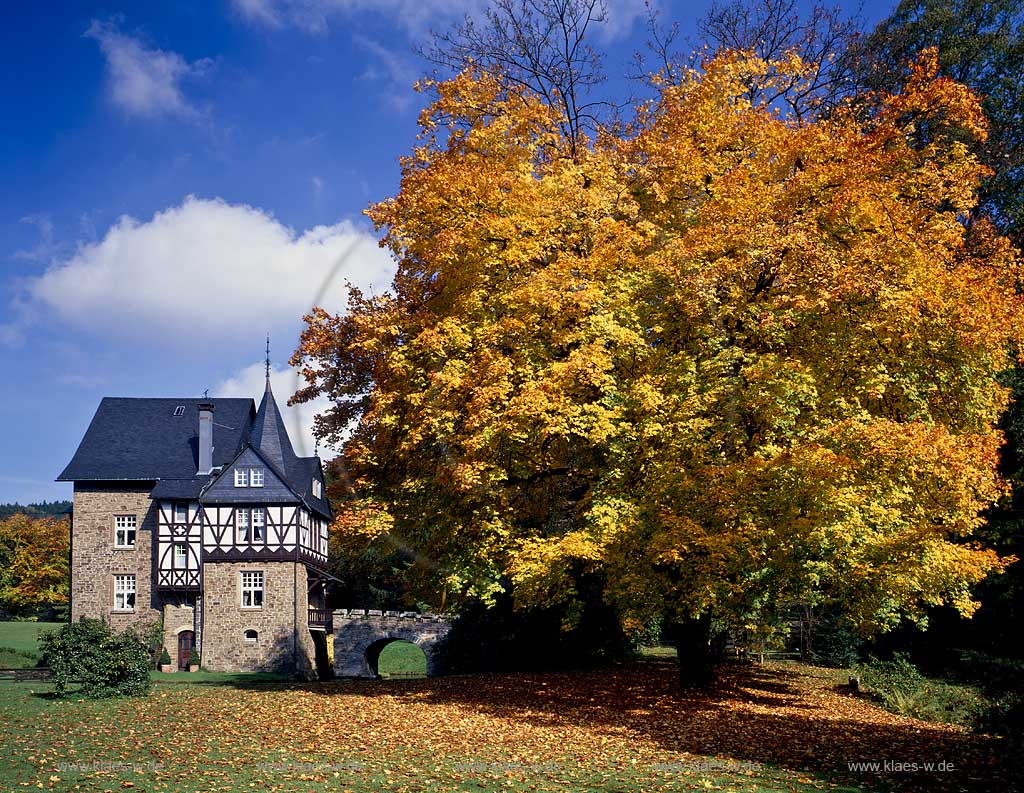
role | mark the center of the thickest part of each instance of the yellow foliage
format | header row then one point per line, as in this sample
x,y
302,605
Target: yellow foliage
x,y
726,359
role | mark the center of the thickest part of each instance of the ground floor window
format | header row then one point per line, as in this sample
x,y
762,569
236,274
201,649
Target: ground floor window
x,y
252,589
124,592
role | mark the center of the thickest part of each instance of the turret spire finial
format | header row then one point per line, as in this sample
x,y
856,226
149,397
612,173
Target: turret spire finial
x,y
268,362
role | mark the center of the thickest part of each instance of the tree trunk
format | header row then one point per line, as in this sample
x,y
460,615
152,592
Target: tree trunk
x,y
693,647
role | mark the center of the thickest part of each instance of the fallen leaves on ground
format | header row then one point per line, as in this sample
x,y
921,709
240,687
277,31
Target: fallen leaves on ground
x,y
775,727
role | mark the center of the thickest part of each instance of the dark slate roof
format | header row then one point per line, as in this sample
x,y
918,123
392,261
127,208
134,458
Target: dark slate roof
x,y
186,489
142,439
313,468
269,434
276,489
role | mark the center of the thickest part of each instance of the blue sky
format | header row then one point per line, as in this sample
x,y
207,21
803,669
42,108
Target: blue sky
x,y
181,177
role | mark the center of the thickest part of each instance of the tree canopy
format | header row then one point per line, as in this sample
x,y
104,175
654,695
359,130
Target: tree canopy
x,y
725,359
33,563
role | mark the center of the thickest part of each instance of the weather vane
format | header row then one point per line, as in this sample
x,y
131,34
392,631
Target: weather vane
x,y
268,356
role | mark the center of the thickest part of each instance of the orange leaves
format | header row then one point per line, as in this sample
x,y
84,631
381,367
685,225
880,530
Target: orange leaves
x,y
33,561
769,727
730,358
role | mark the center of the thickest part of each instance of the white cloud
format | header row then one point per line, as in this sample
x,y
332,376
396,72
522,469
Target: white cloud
x,y
46,248
142,81
396,73
314,16
416,17
208,272
262,11
250,382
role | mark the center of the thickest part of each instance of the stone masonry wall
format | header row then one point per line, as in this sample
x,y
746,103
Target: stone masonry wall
x,y
95,560
281,645
356,630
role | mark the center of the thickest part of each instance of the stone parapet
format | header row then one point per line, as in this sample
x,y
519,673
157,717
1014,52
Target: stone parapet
x,y
360,635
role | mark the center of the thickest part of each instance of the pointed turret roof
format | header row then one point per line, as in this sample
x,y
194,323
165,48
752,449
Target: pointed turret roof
x,y
269,434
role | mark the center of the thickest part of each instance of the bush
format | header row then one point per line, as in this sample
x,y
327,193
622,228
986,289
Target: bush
x,y
104,663
194,660
165,657
901,688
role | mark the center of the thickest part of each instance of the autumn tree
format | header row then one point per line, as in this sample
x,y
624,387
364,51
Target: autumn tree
x,y
726,361
33,563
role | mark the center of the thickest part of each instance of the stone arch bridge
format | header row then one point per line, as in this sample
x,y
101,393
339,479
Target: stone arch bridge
x,y
359,637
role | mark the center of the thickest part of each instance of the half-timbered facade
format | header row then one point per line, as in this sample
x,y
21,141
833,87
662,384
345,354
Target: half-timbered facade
x,y
200,514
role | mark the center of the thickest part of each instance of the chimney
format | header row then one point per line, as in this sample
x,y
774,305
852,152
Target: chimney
x,y
205,437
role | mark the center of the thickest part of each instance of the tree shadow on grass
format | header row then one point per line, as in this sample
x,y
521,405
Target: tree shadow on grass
x,y
779,715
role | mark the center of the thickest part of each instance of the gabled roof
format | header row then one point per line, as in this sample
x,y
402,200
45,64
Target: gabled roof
x,y
143,439
220,488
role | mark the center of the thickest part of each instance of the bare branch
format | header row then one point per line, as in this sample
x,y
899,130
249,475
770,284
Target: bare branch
x,y
537,44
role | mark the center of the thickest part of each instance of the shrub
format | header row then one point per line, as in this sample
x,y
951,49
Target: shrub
x,y
165,657
104,663
901,688
194,660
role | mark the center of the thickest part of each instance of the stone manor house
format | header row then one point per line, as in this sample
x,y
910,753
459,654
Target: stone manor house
x,y
199,512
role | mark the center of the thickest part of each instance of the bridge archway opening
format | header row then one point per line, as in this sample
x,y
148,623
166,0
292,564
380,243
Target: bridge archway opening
x,y
392,658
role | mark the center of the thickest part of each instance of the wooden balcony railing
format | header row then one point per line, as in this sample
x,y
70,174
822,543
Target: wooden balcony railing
x,y
320,618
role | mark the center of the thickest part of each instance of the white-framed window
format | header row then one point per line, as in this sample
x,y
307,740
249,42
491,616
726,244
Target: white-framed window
x,y
251,636
179,411
180,556
242,524
259,525
317,488
241,477
256,477
252,589
124,593
124,530
181,513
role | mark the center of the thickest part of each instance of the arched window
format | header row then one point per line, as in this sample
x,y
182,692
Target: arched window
x,y
251,635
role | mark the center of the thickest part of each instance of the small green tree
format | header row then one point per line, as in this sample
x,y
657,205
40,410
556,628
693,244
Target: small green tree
x,y
104,663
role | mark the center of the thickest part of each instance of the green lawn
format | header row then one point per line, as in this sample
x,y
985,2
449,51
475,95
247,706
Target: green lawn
x,y
19,643
769,728
214,678
402,660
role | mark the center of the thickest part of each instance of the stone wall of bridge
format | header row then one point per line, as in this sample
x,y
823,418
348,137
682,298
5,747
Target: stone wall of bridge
x,y
360,635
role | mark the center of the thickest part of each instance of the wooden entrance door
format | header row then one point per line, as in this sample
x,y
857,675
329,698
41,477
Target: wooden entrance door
x,y
186,641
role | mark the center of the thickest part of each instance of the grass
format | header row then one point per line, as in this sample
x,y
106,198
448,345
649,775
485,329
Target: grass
x,y
204,676
402,660
780,727
19,643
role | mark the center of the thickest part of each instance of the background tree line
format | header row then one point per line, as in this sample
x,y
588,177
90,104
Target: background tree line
x,y
34,574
